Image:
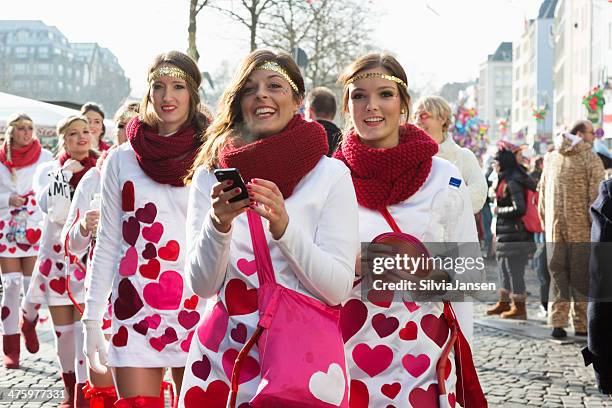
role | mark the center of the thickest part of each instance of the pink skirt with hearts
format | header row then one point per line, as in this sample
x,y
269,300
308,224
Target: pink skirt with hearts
x,y
28,243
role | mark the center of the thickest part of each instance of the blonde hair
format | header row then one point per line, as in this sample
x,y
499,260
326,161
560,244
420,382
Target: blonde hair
x,y
12,121
226,124
127,111
438,108
62,128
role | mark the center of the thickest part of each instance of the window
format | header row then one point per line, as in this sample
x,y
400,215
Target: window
x,y
44,69
22,35
20,68
21,52
60,70
43,52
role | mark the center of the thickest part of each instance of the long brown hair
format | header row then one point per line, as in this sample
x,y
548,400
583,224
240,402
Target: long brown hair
x,y
226,123
371,61
187,64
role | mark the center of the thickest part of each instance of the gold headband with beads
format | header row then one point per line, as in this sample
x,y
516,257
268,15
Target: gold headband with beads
x,y
274,66
377,75
173,72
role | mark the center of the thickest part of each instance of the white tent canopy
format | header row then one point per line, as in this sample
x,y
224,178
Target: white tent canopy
x,y
45,115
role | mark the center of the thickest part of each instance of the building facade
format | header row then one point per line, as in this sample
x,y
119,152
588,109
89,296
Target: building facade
x,y
37,61
495,88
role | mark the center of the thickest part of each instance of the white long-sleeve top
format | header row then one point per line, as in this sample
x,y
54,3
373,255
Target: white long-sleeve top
x,y
315,256
21,186
139,260
470,170
81,203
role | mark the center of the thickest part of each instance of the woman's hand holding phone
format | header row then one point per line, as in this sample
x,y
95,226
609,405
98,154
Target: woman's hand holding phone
x,y
273,205
224,212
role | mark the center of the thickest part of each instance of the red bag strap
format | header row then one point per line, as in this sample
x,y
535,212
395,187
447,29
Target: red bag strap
x,y
72,259
265,270
385,213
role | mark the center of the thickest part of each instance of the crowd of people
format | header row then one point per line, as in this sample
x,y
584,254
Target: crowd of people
x,y
253,291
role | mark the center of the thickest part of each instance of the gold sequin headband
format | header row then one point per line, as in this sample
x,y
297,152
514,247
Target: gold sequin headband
x,y
173,72
377,75
274,66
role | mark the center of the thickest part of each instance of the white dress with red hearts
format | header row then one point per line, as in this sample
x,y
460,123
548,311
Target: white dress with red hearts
x,y
139,260
315,256
52,276
88,187
392,347
28,244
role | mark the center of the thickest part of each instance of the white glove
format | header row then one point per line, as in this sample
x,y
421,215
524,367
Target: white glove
x,y
95,343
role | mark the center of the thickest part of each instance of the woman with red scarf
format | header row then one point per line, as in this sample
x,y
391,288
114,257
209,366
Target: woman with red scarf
x,y
20,233
307,202
392,342
56,283
140,249
95,117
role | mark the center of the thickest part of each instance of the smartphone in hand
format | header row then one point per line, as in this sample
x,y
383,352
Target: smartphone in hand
x,y
234,175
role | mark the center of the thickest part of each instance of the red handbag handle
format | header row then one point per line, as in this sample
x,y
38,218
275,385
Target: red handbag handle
x,y
72,259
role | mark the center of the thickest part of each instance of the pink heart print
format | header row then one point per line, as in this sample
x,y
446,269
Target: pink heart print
x,y
167,294
247,267
129,263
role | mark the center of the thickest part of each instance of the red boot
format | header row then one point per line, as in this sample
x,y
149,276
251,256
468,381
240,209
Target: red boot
x,y
100,397
11,347
69,382
28,329
80,399
140,402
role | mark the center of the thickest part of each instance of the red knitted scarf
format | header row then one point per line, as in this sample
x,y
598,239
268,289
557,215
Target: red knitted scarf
x,y
166,159
87,163
103,146
21,156
388,176
284,158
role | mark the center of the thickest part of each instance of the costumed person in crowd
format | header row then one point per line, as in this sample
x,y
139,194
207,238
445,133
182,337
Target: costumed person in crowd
x,y
20,219
391,345
95,117
310,211
79,237
598,351
139,256
513,241
568,187
56,283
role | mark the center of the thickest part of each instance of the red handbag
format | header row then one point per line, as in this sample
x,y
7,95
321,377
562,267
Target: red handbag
x,y
468,390
531,218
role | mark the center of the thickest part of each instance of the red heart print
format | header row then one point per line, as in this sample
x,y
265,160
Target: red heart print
x,y
411,306
167,294
212,332
383,325
185,344
33,202
381,298
58,285
23,247
452,399
249,370
352,317
141,327
391,390
372,361
2,248
120,338
79,273
106,323
170,252
45,267
57,248
131,230
169,336
156,343
215,396
359,396
128,301
422,398
409,332
416,365
153,320
239,299
147,214
12,250
59,265
129,262
188,319
239,333
153,233
33,235
42,287
191,303
201,368
435,328
149,252
151,269
127,196
247,267
2,225
5,313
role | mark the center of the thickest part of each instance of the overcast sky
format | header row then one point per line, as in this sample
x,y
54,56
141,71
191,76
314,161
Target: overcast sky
x,y
436,41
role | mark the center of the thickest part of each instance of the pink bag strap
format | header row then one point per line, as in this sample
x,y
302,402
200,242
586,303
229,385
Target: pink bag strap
x,y
385,213
265,270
